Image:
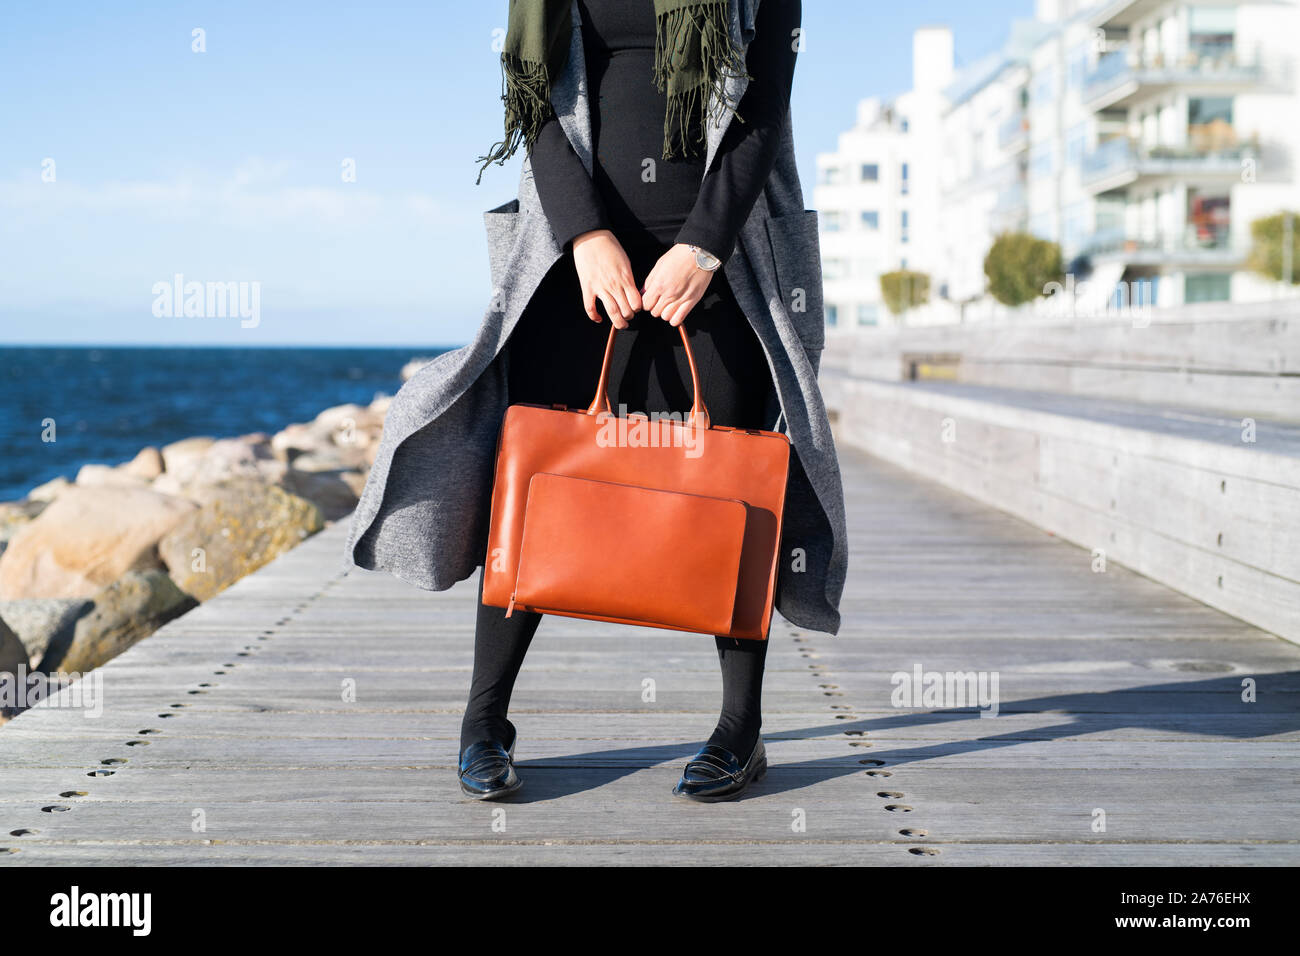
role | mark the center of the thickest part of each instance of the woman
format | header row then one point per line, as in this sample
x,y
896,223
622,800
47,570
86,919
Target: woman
x,y
658,146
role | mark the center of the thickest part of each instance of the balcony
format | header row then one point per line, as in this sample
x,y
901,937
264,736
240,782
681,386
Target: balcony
x,y
1013,133
1123,14
1120,162
1206,247
1124,77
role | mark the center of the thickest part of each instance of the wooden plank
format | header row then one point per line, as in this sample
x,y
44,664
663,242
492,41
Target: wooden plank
x,y
1115,693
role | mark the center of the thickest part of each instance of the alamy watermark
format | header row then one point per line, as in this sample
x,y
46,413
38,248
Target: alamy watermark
x,y
946,690
657,430
1075,298
23,689
208,300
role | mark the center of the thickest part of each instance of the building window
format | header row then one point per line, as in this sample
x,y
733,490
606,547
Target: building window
x,y
903,178
1209,122
832,315
903,124
870,219
1074,228
1208,287
834,269
1211,31
1076,142
1042,160
1078,66
1044,88
902,231
870,172
829,176
868,314
832,221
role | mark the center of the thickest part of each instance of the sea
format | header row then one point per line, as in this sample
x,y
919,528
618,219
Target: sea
x,y
62,407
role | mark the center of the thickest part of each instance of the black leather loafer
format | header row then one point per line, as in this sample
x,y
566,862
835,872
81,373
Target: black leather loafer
x,y
715,774
487,770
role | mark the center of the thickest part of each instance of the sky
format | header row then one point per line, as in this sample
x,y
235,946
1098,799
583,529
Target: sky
x,y
128,158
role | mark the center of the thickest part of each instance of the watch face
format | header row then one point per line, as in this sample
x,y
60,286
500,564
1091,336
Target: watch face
x,y
706,262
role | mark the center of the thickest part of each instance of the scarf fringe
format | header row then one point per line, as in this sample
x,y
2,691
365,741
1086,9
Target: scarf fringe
x,y
525,90
704,24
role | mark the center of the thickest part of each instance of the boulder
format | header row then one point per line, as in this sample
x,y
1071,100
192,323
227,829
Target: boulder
x,y
14,515
240,525
87,538
50,490
12,652
169,484
92,476
249,456
334,492
297,439
181,458
42,623
147,464
124,612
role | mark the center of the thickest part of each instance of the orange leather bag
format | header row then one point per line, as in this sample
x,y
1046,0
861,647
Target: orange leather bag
x,y
656,522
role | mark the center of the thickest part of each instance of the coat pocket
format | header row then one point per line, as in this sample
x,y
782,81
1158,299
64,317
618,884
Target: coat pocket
x,y
502,225
796,254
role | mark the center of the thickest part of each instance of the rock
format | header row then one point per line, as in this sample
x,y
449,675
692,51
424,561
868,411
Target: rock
x,y
240,526
413,366
86,539
12,652
94,476
329,459
169,484
181,458
15,515
294,440
147,464
249,456
42,623
124,612
334,492
50,490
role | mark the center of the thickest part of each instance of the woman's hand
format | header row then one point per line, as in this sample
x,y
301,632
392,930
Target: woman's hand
x,y
675,285
606,274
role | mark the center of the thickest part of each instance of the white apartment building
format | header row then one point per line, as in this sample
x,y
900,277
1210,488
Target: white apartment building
x,y
878,192
1143,136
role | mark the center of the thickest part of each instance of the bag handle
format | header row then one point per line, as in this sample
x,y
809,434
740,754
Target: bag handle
x,y
699,414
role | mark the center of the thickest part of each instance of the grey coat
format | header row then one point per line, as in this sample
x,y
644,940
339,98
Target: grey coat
x,y
423,515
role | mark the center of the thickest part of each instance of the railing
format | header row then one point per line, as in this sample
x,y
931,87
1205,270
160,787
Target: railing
x,y
1213,240
1117,155
1194,66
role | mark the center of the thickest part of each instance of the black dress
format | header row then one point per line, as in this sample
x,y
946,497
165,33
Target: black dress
x,y
650,203
555,351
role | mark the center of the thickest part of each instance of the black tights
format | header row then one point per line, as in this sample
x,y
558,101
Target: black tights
x,y
554,356
501,642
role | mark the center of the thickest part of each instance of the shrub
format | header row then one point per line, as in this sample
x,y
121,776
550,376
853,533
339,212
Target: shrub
x,y
1266,251
1019,267
904,289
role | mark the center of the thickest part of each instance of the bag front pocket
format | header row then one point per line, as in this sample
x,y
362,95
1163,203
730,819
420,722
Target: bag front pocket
x,y
621,552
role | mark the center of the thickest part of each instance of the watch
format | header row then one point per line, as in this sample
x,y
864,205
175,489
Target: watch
x,y
705,260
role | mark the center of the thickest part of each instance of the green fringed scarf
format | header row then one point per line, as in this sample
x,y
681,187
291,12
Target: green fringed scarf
x,y
694,56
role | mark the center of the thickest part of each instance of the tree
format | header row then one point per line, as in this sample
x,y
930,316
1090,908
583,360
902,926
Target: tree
x,y
1267,254
903,290
1020,267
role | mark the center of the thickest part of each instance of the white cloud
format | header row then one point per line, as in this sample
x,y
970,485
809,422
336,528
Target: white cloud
x,y
258,194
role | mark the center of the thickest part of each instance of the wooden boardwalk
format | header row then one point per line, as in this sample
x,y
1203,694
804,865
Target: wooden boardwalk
x,y
227,739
